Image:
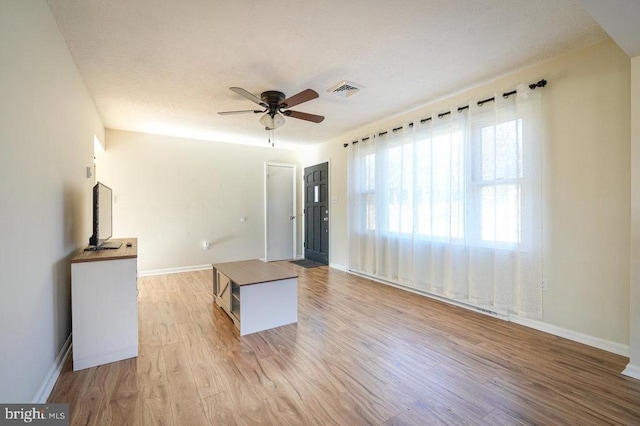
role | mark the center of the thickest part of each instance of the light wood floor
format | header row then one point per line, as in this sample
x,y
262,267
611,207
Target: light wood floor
x,y
361,353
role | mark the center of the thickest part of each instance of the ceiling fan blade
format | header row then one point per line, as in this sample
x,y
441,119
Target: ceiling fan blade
x,y
304,96
240,91
255,111
304,116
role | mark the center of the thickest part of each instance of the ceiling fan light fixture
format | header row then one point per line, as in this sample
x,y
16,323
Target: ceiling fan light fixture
x,y
272,123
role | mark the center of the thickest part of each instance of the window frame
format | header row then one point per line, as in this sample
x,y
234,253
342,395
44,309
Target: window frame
x,y
472,186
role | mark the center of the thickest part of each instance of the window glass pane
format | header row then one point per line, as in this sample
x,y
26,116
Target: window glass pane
x,y
406,190
422,187
500,209
447,186
370,212
501,147
457,190
394,168
370,172
488,153
369,194
400,183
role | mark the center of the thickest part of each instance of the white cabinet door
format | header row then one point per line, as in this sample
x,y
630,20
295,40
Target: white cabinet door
x,y
104,312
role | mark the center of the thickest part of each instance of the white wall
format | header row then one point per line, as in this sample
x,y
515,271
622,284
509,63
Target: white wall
x,y
587,173
174,194
47,124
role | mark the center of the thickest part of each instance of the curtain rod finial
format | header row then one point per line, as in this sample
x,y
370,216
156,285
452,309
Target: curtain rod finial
x,y
541,83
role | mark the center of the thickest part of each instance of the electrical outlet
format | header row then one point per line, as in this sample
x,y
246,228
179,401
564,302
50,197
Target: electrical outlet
x,y
545,286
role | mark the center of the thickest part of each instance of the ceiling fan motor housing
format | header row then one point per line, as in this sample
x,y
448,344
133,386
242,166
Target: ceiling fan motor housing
x,y
273,98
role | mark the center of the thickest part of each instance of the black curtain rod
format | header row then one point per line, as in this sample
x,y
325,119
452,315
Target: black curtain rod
x,y
532,86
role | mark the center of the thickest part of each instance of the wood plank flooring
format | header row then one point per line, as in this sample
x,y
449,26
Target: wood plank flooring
x,y
361,353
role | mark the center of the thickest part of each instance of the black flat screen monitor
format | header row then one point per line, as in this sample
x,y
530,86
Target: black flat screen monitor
x,y
102,218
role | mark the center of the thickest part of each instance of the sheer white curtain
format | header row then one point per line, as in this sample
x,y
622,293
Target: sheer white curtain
x,y
453,206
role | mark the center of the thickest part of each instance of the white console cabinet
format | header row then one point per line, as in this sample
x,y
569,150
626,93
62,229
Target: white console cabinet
x,y
104,305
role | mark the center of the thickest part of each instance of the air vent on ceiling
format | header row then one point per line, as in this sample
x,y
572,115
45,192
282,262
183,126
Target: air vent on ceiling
x,y
345,89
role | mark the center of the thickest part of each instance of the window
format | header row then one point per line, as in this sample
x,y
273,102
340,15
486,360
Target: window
x,y
496,181
453,205
430,192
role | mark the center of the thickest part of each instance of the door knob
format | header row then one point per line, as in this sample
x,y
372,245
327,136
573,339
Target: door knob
x,y
326,219
291,217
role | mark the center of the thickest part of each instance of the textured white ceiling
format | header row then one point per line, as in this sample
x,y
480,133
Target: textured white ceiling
x,y
165,66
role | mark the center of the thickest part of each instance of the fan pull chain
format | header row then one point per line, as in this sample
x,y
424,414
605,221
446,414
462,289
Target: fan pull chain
x,y
271,139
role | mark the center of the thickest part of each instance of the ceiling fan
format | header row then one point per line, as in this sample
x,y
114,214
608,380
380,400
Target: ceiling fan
x,y
276,105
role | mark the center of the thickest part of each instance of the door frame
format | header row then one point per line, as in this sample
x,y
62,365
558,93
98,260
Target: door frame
x,y
294,222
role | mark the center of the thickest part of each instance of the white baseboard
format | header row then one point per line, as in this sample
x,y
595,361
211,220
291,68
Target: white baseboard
x,y
152,272
632,371
338,266
50,379
596,342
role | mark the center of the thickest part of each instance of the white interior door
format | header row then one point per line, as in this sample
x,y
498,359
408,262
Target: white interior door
x,y
280,218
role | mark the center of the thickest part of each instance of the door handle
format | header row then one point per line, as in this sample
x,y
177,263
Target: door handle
x,y
326,219
291,217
